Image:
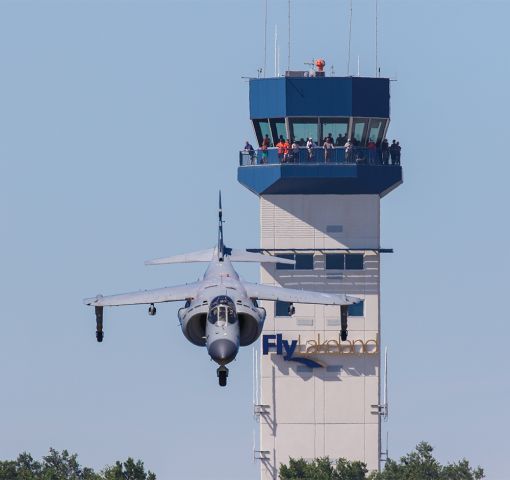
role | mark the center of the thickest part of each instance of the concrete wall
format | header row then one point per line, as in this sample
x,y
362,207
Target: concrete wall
x,y
324,411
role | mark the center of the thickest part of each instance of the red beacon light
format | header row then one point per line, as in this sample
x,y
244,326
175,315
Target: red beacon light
x,y
320,64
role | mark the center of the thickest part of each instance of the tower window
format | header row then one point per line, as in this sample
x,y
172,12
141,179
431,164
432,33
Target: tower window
x,y
359,131
335,261
376,129
356,309
344,261
304,261
261,130
354,262
281,309
337,127
303,128
278,128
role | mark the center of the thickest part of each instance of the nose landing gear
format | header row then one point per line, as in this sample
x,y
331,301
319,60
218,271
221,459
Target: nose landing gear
x,y
344,312
222,373
152,310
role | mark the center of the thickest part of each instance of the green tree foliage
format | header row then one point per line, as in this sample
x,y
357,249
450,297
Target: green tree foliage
x,y
64,466
417,465
421,464
129,470
323,469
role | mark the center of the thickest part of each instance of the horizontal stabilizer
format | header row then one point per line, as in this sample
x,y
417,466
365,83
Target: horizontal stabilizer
x,y
232,254
193,257
245,256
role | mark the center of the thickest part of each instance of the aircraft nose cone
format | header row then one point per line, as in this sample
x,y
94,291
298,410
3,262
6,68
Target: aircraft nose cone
x,y
223,351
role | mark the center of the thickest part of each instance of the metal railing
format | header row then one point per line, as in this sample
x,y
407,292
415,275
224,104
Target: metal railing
x,y
319,155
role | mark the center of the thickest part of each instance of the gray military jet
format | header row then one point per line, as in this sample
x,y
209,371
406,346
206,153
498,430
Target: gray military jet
x,y
221,311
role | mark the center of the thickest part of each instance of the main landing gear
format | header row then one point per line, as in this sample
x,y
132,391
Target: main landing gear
x,y
222,373
99,324
152,310
344,311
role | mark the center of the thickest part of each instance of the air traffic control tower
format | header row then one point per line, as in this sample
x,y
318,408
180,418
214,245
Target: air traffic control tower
x,y
318,395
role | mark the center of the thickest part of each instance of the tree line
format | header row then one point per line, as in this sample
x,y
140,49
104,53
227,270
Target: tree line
x,y
65,466
420,464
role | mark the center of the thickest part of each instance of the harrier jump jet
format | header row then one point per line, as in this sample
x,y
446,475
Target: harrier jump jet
x,y
221,311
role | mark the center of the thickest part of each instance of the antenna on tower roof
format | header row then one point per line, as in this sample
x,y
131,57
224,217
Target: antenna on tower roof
x,y
278,64
288,59
376,38
265,42
276,50
350,35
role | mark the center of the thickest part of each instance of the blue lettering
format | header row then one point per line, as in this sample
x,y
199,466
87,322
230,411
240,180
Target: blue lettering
x,y
267,344
279,344
289,348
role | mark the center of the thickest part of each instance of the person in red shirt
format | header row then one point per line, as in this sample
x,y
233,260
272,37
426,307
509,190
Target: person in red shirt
x,y
371,151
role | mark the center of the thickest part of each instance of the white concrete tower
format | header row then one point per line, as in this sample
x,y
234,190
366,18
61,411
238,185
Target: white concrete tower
x,y
321,206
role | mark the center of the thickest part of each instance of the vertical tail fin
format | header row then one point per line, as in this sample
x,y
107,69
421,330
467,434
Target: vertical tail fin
x,y
221,246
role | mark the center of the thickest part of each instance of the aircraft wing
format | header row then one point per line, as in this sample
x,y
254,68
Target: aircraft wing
x,y
160,295
269,292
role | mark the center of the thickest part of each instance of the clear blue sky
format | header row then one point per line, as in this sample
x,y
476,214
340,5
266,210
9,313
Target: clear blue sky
x,y
119,122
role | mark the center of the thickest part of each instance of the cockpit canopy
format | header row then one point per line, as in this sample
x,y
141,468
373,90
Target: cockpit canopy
x,y
222,310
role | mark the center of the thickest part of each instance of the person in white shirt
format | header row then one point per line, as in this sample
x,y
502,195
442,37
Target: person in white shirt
x,y
310,146
295,152
348,151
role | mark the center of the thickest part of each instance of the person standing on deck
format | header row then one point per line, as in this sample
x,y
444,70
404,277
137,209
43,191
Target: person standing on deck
x,y
348,151
393,152
328,148
280,146
371,151
385,152
310,146
399,149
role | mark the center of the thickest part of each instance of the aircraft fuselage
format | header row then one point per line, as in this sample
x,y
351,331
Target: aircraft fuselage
x,y
221,317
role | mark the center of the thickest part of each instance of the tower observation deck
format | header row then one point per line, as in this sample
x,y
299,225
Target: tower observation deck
x,y
320,205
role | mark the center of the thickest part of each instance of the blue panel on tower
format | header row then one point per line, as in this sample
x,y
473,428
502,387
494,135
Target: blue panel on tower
x,y
371,97
322,97
320,179
319,97
267,98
